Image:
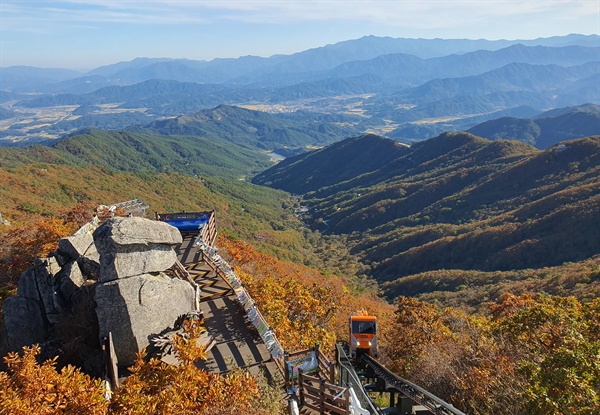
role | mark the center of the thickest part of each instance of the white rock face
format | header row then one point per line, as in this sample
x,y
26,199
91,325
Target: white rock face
x,y
135,300
136,308
135,246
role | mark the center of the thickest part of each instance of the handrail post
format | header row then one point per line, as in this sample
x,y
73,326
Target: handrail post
x,y
110,360
286,370
316,352
322,395
301,386
337,363
347,397
332,373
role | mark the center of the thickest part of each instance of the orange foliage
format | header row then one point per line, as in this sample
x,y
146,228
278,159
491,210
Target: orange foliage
x,y
157,388
532,355
21,245
416,325
39,389
303,305
152,388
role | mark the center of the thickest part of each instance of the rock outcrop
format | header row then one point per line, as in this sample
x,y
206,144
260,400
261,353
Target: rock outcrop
x,y
24,322
137,308
135,299
43,296
134,246
119,271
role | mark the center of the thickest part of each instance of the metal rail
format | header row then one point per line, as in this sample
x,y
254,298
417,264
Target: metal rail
x,y
434,404
349,378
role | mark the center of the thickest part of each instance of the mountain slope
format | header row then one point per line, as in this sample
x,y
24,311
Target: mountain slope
x,y
338,162
462,202
250,129
546,129
129,151
184,154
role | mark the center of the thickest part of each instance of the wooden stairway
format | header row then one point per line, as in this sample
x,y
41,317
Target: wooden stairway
x,y
211,285
236,343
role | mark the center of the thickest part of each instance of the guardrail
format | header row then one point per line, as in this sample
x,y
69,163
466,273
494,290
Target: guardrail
x,y
89,227
253,315
349,378
309,361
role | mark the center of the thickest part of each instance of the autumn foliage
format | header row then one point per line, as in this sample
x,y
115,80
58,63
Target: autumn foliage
x,y
153,387
21,245
303,305
531,354
31,388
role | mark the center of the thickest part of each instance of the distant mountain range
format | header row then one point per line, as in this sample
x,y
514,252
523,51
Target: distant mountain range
x,y
546,129
411,88
251,69
455,201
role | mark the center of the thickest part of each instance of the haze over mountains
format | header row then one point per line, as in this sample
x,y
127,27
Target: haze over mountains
x,y
409,89
249,68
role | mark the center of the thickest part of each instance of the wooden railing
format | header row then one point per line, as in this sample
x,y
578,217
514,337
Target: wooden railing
x,y
316,394
218,271
110,364
209,232
311,361
253,315
326,368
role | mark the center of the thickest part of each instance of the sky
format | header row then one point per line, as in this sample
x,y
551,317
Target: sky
x,y
84,34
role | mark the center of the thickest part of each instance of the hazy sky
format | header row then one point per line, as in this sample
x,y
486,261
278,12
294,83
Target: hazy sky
x,y
83,34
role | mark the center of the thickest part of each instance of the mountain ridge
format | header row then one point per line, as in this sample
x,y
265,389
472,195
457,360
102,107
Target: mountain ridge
x,y
547,128
458,201
322,58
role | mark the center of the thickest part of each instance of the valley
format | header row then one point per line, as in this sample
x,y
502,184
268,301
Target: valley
x,y
35,125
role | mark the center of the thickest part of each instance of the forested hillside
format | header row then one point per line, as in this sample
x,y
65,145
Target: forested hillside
x,y
127,151
337,163
545,129
251,129
459,202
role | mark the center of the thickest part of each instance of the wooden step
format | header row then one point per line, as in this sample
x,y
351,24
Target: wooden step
x,y
207,283
222,293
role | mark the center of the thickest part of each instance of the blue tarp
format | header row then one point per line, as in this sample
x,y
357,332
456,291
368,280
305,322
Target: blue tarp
x,y
186,221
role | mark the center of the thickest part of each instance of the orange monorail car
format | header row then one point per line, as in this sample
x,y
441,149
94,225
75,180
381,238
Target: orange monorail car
x,y
363,334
